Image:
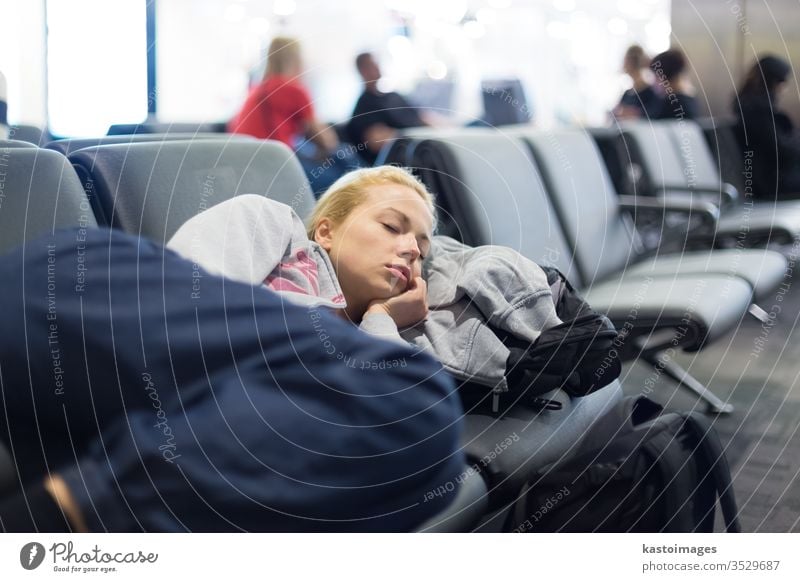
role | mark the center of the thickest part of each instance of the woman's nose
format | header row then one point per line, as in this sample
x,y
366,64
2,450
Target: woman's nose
x,y
409,248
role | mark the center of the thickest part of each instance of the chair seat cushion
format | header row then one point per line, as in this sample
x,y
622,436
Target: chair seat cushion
x,y
710,305
509,448
762,269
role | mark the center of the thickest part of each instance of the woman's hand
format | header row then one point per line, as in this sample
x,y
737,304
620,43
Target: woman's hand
x,y
406,309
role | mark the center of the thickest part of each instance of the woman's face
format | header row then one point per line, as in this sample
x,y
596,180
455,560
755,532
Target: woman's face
x,y
378,248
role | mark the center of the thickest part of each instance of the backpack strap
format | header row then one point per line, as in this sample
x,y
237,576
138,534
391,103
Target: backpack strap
x,y
668,458
711,448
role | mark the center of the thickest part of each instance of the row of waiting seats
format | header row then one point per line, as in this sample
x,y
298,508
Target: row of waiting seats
x,y
676,160
150,186
549,195
545,194
141,190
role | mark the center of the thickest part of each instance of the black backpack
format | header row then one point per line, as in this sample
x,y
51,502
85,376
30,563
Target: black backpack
x,y
579,356
639,469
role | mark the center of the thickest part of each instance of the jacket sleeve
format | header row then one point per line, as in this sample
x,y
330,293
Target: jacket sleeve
x,y
381,325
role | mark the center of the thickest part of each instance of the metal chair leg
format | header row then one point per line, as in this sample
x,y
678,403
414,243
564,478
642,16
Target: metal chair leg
x,y
677,373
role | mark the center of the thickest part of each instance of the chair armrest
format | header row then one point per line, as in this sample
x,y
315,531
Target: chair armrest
x,y
727,194
707,212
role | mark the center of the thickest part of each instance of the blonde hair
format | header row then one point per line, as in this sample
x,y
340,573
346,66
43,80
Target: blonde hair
x,y
350,190
284,53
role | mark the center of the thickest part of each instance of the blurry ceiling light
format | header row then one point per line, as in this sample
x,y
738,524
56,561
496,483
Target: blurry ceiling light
x,y
564,5
617,26
557,29
500,4
399,45
437,70
474,29
235,13
486,16
284,7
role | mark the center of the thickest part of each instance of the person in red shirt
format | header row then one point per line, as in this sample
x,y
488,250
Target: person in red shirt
x,y
281,108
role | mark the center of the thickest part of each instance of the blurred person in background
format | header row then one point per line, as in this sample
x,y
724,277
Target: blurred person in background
x,y
677,100
766,134
641,100
280,108
377,115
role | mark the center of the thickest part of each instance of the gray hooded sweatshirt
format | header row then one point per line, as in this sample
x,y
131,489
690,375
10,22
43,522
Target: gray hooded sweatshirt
x,y
256,240
470,288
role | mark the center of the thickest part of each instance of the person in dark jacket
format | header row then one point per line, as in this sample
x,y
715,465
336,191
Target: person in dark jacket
x,y
155,396
377,115
677,101
770,143
641,100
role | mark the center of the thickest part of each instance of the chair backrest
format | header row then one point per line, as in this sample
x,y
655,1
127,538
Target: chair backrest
x,y
39,193
504,102
720,134
621,168
584,199
15,143
652,147
151,189
488,182
67,146
699,166
29,133
144,128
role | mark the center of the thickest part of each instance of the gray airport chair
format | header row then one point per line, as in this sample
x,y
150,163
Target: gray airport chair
x,y
15,143
40,193
151,189
720,134
178,127
676,162
779,221
593,218
67,146
491,192
28,133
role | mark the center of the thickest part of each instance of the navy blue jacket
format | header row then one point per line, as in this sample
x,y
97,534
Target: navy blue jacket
x,y
170,399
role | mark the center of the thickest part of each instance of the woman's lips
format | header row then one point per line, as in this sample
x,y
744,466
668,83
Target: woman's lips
x,y
401,273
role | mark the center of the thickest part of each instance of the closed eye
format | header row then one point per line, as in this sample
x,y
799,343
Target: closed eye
x,y
391,228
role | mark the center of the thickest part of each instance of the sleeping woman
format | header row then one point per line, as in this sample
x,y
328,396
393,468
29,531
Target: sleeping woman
x,y
360,254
